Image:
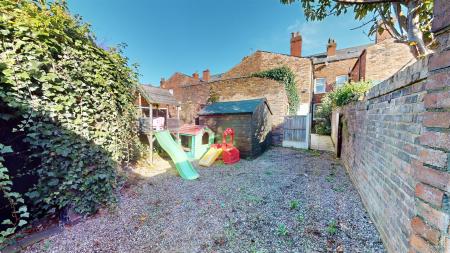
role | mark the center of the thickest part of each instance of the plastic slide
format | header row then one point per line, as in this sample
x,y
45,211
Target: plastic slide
x,y
184,167
210,157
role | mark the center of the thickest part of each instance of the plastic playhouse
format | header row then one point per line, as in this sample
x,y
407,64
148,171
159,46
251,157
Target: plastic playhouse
x,y
230,154
195,140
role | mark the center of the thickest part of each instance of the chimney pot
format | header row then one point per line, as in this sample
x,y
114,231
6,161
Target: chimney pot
x,y
195,76
206,75
161,83
331,47
296,44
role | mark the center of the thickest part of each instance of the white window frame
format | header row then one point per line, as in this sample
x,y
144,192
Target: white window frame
x,y
314,110
338,85
324,86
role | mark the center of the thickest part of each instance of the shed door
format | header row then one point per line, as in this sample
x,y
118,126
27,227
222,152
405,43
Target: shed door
x,y
296,131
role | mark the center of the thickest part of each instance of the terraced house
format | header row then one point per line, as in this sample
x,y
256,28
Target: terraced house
x,y
315,75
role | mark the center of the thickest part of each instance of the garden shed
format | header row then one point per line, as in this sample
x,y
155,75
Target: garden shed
x,y
250,119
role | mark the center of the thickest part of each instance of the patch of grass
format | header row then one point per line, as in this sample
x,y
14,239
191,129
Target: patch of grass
x,y
282,230
294,204
332,228
300,217
47,245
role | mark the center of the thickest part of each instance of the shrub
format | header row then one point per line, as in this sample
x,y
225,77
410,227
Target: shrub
x,y
75,102
339,97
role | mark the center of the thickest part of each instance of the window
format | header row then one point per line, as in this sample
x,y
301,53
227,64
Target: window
x,y
341,80
205,138
316,107
171,91
319,85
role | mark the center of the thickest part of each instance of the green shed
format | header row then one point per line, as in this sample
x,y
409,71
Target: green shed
x,y
251,121
195,140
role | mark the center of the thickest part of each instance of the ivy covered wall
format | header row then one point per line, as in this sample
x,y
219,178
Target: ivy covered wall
x,y
73,102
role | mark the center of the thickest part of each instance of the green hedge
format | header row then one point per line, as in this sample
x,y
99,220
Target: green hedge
x,y
75,100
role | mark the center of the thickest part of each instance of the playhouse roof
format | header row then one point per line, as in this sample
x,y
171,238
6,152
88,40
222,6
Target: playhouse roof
x,y
233,107
191,129
157,95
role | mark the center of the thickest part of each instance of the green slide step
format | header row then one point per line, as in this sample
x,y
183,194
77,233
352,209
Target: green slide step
x,y
184,167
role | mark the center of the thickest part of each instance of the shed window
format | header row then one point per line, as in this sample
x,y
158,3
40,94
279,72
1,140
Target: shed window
x,y
319,85
205,138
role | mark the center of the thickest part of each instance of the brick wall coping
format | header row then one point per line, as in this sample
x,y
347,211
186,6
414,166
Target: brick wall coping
x,y
227,79
411,74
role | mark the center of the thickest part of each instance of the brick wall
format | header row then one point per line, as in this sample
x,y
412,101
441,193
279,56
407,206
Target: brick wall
x,y
235,89
396,149
386,58
253,87
260,61
330,71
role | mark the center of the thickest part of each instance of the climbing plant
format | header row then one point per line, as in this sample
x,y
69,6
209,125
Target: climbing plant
x,y
19,211
285,76
74,99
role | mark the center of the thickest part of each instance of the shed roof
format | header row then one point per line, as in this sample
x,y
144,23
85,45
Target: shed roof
x,y
234,107
157,95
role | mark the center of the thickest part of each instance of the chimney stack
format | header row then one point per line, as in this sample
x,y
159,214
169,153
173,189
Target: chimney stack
x,y
206,75
331,47
195,76
383,32
296,44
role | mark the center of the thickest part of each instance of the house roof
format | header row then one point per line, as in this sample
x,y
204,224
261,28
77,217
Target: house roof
x,y
157,95
341,54
233,107
191,129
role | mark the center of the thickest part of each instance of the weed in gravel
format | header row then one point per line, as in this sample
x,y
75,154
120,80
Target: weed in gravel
x,y
332,227
312,152
340,188
282,230
294,204
253,198
300,217
330,178
47,245
230,232
268,173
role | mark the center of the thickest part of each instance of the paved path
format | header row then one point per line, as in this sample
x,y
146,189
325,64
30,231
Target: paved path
x,y
321,142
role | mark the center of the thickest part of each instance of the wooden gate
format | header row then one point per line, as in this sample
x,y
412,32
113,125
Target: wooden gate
x,y
296,131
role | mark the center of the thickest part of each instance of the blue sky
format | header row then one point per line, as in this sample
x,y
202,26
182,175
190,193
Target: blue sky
x,y
192,35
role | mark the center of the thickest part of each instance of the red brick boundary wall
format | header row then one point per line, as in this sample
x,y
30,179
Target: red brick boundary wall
x,y
396,149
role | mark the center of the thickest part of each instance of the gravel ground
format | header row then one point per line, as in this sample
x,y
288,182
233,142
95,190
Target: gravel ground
x,y
284,201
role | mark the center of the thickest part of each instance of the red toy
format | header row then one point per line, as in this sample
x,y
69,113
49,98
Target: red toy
x,y
230,154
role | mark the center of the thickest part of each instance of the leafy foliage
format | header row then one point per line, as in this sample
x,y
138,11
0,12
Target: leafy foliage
x,y
19,211
285,76
414,27
339,97
75,100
